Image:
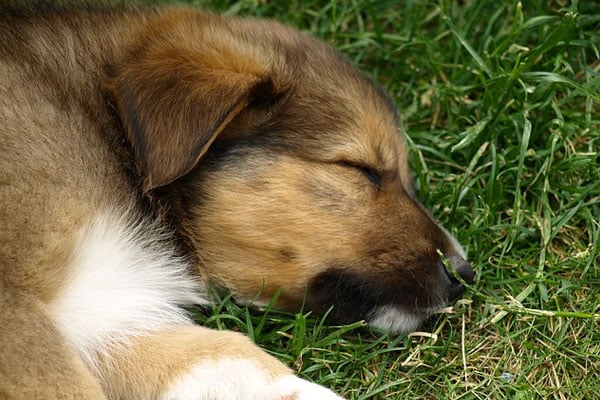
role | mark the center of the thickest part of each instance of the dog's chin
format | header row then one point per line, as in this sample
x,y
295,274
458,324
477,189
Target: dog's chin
x,y
390,318
395,320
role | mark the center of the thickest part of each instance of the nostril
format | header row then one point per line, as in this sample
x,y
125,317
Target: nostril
x,y
462,268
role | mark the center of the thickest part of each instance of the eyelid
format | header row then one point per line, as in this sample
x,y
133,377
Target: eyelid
x,y
371,173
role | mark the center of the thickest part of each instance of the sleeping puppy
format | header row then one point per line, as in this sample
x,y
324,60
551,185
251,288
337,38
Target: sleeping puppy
x,y
148,153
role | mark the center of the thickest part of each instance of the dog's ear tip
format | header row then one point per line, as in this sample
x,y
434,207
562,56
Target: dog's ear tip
x,y
158,176
148,185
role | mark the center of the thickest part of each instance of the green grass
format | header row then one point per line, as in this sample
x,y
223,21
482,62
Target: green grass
x,y
501,104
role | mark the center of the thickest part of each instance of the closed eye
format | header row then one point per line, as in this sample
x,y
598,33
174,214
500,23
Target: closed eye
x,y
371,174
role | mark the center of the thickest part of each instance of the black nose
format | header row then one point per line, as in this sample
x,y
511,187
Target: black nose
x,y
464,270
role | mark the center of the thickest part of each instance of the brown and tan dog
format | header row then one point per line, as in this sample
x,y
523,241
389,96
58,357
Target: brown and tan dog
x,y
145,153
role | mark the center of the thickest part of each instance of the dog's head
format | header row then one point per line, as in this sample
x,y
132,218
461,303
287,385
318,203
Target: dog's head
x,y
285,168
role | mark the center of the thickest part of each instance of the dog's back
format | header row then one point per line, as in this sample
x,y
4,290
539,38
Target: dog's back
x,y
57,138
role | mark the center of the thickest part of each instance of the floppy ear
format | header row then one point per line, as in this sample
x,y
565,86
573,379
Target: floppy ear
x,y
173,105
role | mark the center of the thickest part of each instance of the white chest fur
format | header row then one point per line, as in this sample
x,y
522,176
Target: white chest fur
x,y
126,280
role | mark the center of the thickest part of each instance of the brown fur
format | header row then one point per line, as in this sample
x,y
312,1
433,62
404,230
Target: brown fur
x,y
28,333
135,374
274,161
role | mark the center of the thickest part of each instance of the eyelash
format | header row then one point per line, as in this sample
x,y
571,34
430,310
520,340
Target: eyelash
x,y
372,175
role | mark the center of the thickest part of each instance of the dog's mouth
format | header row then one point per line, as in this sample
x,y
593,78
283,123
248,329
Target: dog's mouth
x,y
387,304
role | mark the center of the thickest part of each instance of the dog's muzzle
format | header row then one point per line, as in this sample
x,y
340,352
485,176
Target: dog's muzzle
x,y
464,270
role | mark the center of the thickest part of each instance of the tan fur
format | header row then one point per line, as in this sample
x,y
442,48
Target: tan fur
x,y
135,373
29,333
272,160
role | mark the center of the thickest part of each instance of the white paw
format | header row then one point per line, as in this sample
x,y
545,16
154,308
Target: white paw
x,y
293,388
241,379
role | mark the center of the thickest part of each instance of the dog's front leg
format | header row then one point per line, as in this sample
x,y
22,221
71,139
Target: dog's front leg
x,y
193,363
